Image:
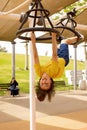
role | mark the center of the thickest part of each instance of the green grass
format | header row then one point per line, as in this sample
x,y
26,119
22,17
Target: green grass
x,y
22,75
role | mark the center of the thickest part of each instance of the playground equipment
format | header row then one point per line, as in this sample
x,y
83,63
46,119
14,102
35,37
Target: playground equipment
x,y
35,8
40,18
67,26
37,12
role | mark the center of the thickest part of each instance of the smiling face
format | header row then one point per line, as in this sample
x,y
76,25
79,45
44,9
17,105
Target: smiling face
x,y
45,82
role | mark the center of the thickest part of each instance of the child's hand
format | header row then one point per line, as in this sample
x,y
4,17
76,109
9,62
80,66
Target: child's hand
x,y
33,38
54,34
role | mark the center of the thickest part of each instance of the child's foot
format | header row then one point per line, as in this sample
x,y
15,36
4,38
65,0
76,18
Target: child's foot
x,y
81,37
73,40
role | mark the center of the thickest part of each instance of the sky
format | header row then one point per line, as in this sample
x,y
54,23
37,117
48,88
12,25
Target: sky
x,y
42,49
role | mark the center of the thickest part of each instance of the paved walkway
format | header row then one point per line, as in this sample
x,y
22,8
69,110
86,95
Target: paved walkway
x,y
67,111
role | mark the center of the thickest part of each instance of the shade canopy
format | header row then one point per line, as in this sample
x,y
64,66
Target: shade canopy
x,y
10,11
81,19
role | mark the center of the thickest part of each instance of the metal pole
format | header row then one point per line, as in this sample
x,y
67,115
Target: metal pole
x,y
75,67
13,59
32,90
26,57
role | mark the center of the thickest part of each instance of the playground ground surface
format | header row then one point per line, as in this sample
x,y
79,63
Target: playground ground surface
x,y
67,111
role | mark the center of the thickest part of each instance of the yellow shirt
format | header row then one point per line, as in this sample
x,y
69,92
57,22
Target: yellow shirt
x,y
54,69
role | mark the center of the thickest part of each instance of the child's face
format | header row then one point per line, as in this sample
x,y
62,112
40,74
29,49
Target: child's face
x,y
45,82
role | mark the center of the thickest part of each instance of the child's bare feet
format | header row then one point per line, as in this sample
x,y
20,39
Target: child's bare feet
x,y
72,40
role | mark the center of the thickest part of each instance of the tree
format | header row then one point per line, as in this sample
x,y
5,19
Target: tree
x,y
69,8
3,49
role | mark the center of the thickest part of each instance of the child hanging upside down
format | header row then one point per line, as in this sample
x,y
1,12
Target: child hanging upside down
x,y
54,68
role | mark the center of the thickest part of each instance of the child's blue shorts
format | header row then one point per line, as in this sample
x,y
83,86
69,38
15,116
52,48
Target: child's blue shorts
x,y
63,52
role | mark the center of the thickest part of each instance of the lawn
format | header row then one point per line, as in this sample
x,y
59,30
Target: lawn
x,y
22,75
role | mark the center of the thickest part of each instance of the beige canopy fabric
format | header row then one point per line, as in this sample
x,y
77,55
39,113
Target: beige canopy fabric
x,y
82,23
18,6
10,11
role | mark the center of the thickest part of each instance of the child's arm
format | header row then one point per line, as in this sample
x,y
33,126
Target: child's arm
x,y
54,47
35,53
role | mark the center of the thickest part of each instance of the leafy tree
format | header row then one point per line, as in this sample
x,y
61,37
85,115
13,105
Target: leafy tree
x,y
3,49
69,8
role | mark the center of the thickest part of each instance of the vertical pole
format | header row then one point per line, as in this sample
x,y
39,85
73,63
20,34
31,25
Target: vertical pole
x,y
13,59
85,53
26,57
75,67
32,90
